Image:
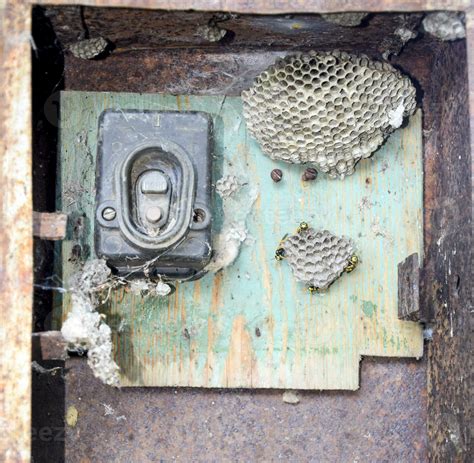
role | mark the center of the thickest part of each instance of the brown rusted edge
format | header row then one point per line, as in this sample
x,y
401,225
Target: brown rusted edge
x,y
49,225
276,6
49,345
447,269
16,266
15,112
409,288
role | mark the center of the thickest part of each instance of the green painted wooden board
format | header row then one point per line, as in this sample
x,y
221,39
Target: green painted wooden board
x,y
252,325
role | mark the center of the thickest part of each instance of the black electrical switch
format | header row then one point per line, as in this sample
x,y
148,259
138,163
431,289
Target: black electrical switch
x,y
153,192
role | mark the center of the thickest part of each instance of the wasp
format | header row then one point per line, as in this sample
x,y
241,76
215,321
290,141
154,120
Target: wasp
x,y
353,261
313,289
280,254
303,227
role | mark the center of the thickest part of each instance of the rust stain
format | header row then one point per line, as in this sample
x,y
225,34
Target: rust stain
x,y
176,304
267,284
208,367
239,368
168,318
183,311
197,292
216,293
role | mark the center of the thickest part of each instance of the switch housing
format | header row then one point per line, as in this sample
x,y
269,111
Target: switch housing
x,y
154,171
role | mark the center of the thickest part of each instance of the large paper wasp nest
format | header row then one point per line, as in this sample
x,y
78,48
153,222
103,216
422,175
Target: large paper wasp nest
x,y
328,109
318,258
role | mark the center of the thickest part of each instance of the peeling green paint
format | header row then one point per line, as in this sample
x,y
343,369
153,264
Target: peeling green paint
x,y
369,308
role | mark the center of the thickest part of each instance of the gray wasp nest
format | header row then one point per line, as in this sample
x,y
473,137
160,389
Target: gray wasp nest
x,y
89,48
318,258
328,109
345,19
227,186
212,33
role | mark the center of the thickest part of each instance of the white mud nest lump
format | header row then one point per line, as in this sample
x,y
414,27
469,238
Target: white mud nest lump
x,y
445,25
84,327
328,109
318,258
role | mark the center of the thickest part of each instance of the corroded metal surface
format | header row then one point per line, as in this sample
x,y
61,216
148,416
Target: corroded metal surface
x,y
383,421
48,345
447,285
134,30
279,6
15,232
153,50
446,294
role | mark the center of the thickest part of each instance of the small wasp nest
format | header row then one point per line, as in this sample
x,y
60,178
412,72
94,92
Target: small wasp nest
x,y
445,25
328,109
318,258
88,49
212,32
345,19
227,186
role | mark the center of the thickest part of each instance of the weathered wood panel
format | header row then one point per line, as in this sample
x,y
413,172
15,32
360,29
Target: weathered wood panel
x,y
252,325
16,274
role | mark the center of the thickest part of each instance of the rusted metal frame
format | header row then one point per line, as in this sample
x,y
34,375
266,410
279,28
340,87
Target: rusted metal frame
x,y
447,274
381,422
16,269
16,223
277,6
470,64
48,345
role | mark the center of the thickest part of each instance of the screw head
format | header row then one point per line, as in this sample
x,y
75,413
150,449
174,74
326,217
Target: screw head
x,y
276,175
309,174
109,213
